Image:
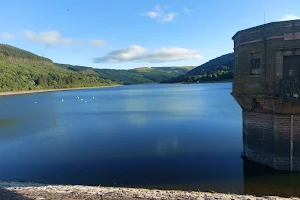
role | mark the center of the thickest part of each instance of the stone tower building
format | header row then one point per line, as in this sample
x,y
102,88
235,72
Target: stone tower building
x,y
267,87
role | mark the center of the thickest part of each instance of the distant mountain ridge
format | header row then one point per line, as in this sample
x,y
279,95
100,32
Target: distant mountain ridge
x,y
218,69
132,76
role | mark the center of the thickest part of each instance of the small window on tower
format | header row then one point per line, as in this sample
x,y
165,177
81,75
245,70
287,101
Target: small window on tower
x,y
255,64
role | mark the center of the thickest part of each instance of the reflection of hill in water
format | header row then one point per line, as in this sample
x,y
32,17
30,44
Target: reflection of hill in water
x,y
260,180
6,122
28,114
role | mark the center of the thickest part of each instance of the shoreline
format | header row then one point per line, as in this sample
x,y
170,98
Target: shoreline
x,y
51,90
27,190
204,82
82,88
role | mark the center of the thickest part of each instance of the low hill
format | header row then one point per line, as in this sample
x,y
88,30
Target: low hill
x,y
21,70
8,52
218,69
132,76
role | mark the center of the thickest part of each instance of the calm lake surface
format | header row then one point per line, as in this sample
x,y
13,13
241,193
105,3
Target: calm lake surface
x,y
185,137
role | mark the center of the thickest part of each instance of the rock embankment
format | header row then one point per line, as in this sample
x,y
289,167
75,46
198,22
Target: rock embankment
x,y
29,191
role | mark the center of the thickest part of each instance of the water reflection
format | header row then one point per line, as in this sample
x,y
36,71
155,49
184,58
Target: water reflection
x,y
185,137
6,126
4,123
22,116
141,104
167,146
261,180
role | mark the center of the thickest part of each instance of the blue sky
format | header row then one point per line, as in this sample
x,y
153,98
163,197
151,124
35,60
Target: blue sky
x,y
123,34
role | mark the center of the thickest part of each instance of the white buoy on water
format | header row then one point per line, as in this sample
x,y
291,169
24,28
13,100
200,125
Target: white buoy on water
x,y
35,102
62,100
93,97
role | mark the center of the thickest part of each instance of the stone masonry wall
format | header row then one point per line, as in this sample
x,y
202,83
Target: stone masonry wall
x,y
258,137
296,143
282,131
266,139
272,42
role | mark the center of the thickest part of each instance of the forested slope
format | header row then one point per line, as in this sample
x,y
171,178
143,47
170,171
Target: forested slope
x,y
218,69
21,70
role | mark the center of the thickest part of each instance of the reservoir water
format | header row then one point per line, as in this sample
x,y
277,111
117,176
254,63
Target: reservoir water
x,y
186,137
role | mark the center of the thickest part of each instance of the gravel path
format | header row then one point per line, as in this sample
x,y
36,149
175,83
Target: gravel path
x,y
30,191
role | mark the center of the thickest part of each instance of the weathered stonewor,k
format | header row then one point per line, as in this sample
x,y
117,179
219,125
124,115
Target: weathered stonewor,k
x,y
267,87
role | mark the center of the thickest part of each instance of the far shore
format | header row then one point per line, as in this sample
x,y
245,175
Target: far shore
x,y
203,82
51,90
82,88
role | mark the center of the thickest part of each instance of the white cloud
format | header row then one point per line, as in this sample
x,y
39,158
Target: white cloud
x,y
47,37
97,43
153,14
289,17
121,55
140,54
168,17
159,14
6,35
186,10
